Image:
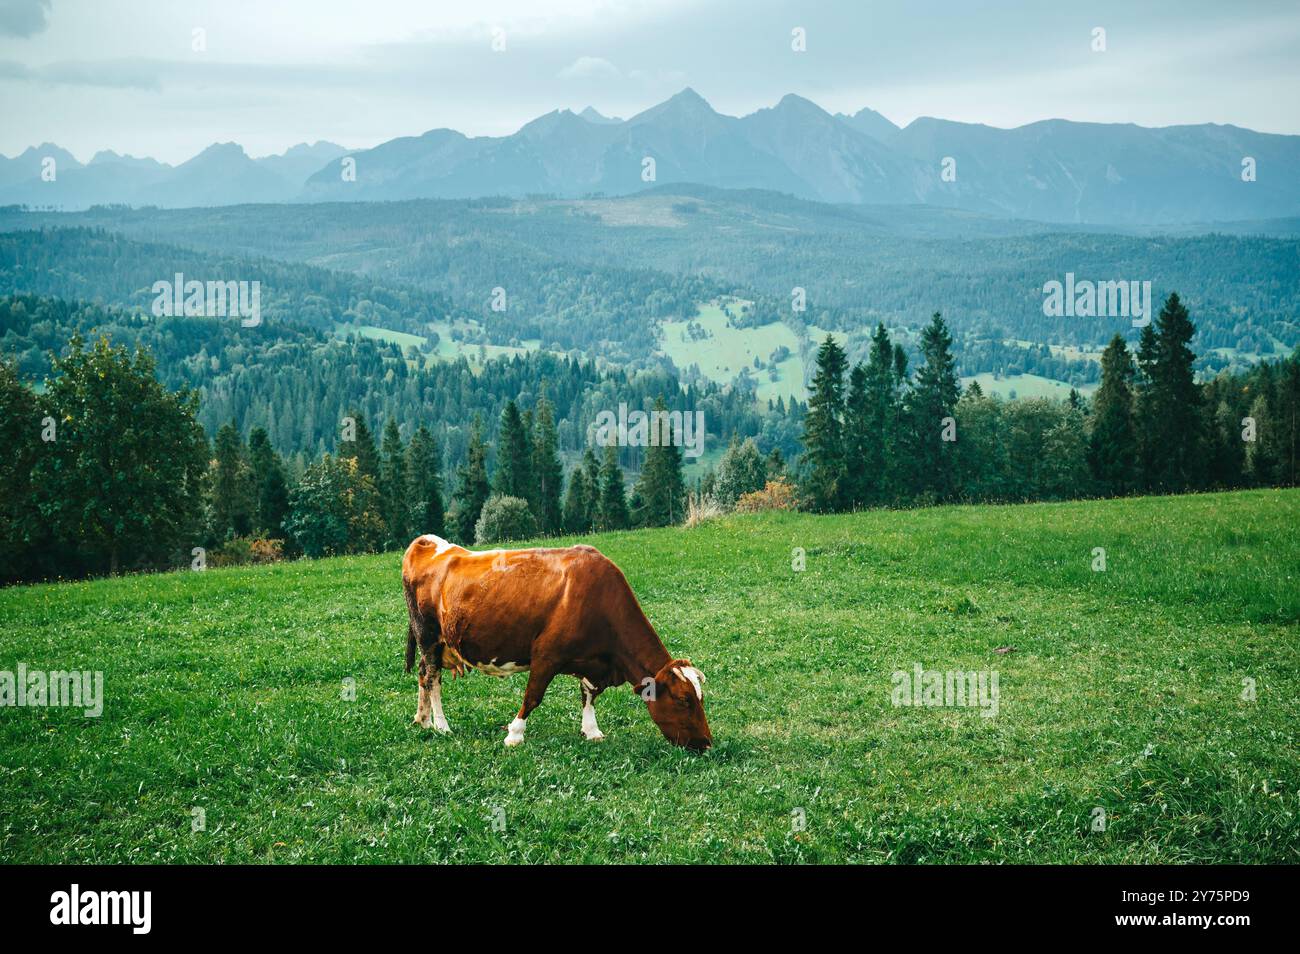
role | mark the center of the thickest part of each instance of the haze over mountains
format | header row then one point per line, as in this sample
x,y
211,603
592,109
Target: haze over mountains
x,y
1052,171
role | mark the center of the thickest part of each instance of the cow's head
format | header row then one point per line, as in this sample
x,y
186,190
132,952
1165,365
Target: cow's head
x,y
677,705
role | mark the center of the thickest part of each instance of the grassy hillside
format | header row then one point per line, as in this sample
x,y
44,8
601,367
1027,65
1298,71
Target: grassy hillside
x,y
223,691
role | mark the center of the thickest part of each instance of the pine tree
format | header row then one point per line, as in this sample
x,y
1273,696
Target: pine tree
x,y
547,470
591,473
270,483
514,456
1224,447
823,436
1112,446
576,503
20,524
362,447
661,489
233,501
1145,407
1288,419
424,482
613,493
1261,461
1172,442
859,467
474,487
933,399
393,488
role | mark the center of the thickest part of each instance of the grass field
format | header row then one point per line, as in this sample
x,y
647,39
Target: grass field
x,y
728,350
1026,386
448,348
224,692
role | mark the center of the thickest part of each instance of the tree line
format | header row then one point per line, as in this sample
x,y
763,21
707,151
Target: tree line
x,y
879,435
108,470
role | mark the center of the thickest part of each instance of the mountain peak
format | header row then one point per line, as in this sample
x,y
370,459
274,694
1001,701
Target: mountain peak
x,y
591,115
49,149
320,147
795,101
871,123
687,105
688,97
224,150
549,123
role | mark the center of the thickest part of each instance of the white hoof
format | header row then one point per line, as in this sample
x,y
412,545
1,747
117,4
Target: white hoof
x,y
442,726
425,723
515,733
596,736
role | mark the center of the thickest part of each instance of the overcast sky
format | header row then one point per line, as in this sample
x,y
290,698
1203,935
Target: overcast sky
x,y
124,74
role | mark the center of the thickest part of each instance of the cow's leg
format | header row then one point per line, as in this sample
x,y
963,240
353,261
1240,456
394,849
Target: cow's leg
x,y
430,697
539,677
423,696
435,696
589,727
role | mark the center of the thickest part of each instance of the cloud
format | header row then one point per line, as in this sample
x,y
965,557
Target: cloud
x,y
590,67
23,17
108,74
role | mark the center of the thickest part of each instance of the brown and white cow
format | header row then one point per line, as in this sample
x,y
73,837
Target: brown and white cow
x,y
544,612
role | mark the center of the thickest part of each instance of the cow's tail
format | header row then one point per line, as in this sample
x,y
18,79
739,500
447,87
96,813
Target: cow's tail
x,y
413,627
410,646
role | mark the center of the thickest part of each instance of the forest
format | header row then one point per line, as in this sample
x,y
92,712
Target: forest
x,y
596,274
110,468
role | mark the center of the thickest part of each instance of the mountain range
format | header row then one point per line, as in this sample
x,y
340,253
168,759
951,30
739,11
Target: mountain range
x,y
1051,171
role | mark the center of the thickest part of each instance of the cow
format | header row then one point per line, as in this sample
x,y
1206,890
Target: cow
x,y
546,612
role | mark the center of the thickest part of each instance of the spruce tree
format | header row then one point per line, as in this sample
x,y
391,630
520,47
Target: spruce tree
x,y
362,447
392,488
577,502
548,472
933,399
233,501
1112,446
21,529
880,420
1171,421
661,489
1224,447
514,456
613,493
270,483
424,482
474,487
591,473
1288,419
1145,407
1260,465
858,468
823,436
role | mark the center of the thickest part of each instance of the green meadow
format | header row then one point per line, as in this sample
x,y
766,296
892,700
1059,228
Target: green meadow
x,y
1147,712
